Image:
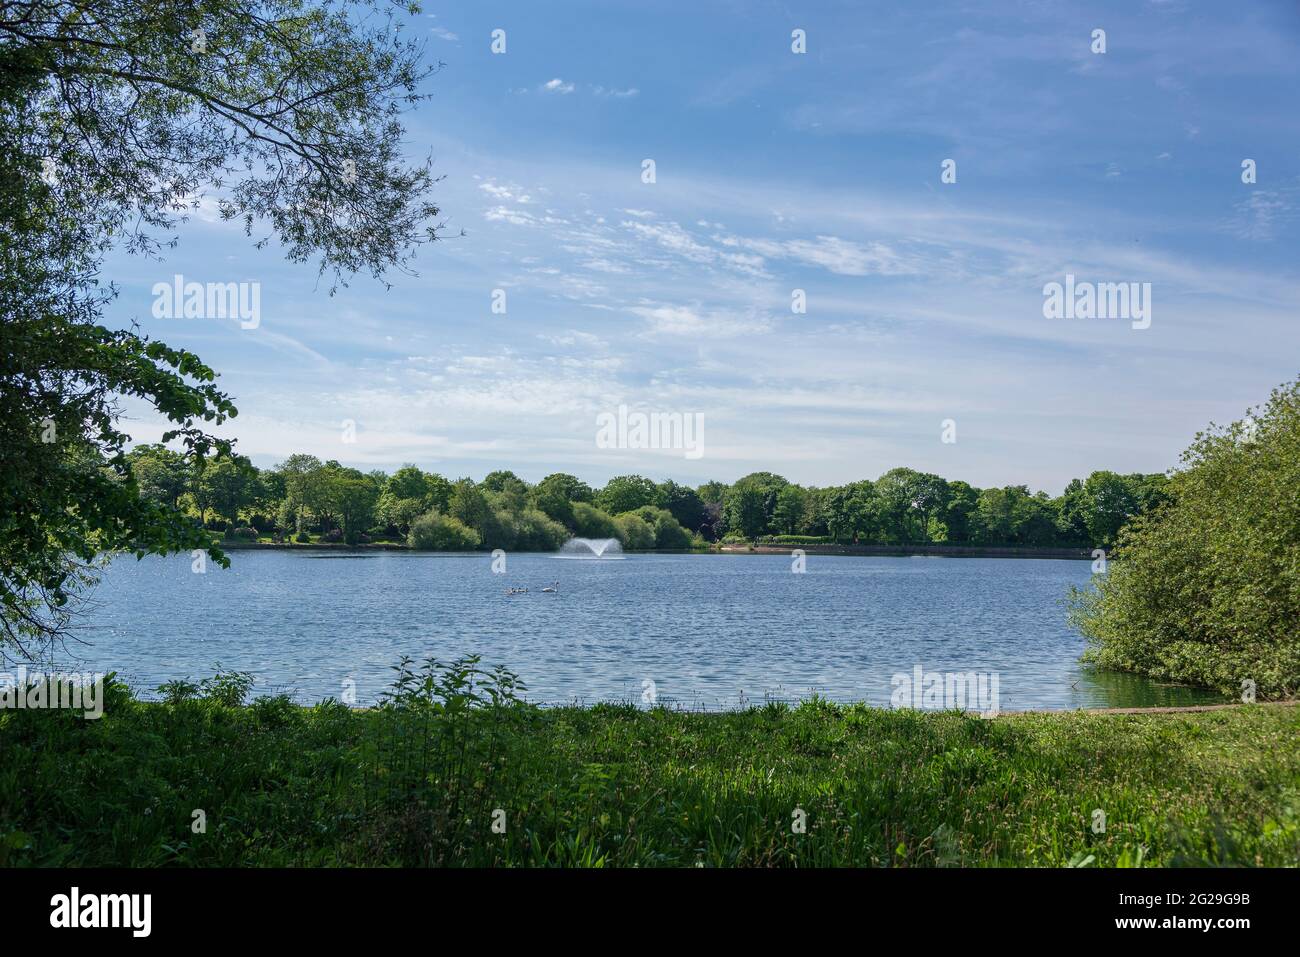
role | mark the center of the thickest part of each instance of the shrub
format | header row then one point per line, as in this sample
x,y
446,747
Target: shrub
x,y
177,690
669,532
275,712
302,538
591,522
1206,588
647,513
535,531
333,535
634,532
228,688
435,532
243,532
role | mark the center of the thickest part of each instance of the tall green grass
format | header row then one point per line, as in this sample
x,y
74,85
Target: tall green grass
x,y
421,779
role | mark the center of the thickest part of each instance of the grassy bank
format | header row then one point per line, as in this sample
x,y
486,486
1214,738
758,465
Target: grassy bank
x,y
418,782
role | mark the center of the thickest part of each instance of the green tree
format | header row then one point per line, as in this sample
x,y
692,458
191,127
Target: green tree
x,y
439,494
408,494
320,494
625,493
570,486
1072,514
592,522
768,485
408,482
503,481
787,517
1011,515
683,502
399,513
837,513
161,473
634,532
355,495
864,510
746,510
226,486
712,493
272,492
907,501
814,516
995,516
294,472
1110,503
669,533
535,531
930,495
1149,491
556,494
959,513
896,492
469,505
1205,589
850,512
114,121
1037,523
763,480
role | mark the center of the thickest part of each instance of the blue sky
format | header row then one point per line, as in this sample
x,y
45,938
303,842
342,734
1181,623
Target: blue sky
x,y
778,171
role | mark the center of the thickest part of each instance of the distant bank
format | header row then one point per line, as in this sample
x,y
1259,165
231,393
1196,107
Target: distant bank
x,y
946,551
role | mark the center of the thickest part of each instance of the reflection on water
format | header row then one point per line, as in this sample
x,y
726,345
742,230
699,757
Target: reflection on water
x,y
1102,689
710,631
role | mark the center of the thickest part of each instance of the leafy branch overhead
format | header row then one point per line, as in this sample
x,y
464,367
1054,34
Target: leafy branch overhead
x,y
289,110
117,119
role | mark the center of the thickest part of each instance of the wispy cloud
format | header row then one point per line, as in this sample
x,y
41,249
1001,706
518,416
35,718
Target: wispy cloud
x,y
441,32
1259,216
668,320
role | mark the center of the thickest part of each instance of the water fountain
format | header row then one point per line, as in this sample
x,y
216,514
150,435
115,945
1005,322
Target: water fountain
x,y
606,548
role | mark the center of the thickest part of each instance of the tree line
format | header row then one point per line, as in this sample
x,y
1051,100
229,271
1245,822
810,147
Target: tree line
x,y
304,499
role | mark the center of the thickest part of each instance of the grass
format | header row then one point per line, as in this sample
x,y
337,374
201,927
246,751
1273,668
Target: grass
x,y
423,778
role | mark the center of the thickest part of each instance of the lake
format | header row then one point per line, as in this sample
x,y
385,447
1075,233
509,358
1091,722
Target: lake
x,y
709,631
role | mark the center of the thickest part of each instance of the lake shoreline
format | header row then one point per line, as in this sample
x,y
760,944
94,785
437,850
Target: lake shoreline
x,y
879,551
916,551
